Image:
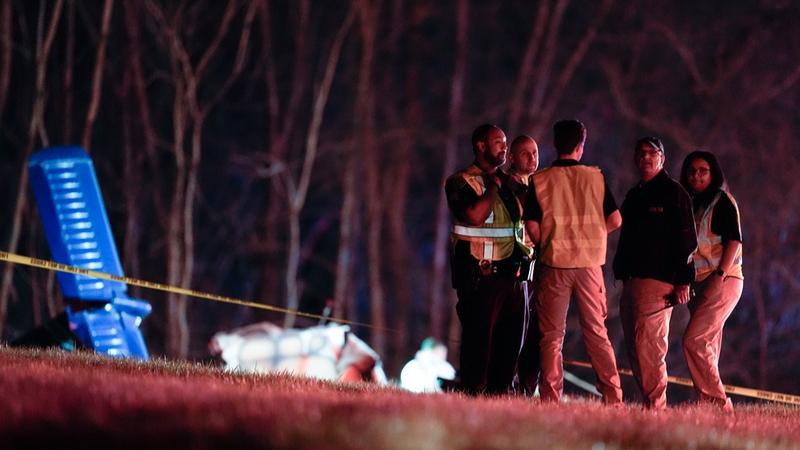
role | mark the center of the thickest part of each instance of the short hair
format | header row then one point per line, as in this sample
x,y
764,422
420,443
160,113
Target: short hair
x,y
717,177
567,134
481,134
652,141
519,140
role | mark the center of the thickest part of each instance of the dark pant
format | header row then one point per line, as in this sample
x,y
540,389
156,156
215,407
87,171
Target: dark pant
x,y
491,311
529,365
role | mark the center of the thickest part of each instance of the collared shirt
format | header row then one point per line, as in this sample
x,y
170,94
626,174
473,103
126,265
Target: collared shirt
x,y
658,238
533,210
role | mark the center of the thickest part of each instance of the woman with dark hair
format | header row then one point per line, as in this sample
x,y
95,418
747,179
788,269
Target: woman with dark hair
x,y
718,272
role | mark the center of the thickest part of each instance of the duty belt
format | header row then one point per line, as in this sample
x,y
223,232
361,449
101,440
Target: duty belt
x,y
508,266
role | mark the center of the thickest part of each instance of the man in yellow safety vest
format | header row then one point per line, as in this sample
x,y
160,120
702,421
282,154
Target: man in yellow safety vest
x,y
487,253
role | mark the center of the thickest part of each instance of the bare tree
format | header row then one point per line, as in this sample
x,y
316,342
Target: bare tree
x,y
402,126
299,190
67,82
5,52
282,115
190,112
97,76
439,267
368,13
36,127
536,73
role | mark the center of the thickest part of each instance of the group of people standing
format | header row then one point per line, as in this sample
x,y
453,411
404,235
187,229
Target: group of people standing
x,y
680,243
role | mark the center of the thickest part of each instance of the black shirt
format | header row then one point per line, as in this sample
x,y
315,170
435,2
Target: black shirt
x,y
658,236
533,210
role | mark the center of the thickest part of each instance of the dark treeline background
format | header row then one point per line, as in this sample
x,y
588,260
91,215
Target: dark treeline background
x,y
293,152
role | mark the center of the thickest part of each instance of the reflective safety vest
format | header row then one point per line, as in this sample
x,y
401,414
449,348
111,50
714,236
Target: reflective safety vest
x,y
495,239
709,245
573,227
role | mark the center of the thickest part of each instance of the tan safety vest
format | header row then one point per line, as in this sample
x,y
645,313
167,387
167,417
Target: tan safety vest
x,y
496,237
573,228
709,245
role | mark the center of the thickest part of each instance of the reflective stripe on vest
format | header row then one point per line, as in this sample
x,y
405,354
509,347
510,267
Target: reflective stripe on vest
x,y
465,231
573,227
709,245
497,237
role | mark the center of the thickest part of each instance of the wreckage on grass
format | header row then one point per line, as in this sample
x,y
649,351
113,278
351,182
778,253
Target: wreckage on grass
x,y
328,352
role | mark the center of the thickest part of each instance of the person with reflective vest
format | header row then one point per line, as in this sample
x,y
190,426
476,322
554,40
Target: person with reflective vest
x,y
523,162
718,278
487,251
653,260
568,214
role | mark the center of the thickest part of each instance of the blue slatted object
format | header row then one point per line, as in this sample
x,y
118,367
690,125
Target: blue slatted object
x,y
78,232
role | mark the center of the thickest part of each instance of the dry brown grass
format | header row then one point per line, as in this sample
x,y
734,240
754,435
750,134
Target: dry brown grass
x,y
50,399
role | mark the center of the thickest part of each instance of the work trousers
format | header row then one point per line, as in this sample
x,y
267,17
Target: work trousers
x,y
554,288
702,340
645,310
491,312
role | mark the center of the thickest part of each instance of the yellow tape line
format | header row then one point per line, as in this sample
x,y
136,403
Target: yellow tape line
x,y
737,390
51,265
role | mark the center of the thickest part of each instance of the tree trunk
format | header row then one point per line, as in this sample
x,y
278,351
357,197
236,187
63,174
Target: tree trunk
x,y
298,195
190,111
131,179
35,126
175,258
527,67
97,76
442,220
395,190
69,63
280,129
344,290
37,276
365,118
5,52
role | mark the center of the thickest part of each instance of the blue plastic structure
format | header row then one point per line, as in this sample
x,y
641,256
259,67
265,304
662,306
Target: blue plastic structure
x,y
100,313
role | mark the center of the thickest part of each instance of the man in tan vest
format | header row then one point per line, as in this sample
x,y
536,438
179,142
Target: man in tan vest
x,y
568,214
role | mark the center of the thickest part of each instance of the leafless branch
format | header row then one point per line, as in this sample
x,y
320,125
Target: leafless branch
x,y
97,76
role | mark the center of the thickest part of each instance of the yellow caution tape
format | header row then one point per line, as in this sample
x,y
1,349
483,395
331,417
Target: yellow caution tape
x,y
736,390
51,265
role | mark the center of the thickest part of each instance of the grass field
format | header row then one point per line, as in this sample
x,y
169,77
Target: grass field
x,y
50,399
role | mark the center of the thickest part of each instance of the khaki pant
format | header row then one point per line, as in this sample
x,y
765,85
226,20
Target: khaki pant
x,y
554,287
702,340
645,312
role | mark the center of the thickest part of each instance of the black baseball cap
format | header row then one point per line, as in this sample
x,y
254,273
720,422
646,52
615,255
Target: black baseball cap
x,y
651,141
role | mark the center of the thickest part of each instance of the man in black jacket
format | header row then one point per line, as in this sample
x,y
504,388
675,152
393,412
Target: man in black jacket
x,y
654,260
